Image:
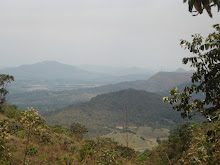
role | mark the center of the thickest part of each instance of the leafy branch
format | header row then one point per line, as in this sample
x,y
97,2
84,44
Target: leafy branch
x,y
205,79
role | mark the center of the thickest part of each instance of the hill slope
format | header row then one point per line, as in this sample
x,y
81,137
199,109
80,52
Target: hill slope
x,y
157,83
26,138
108,110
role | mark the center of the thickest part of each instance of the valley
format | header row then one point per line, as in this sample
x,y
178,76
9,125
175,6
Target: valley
x,y
129,113
55,76
49,94
100,107
109,82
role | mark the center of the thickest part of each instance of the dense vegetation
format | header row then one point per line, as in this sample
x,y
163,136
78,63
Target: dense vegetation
x,y
189,144
4,81
194,144
205,79
26,138
104,112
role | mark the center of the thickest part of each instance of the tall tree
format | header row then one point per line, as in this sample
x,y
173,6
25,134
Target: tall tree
x,y
5,79
205,79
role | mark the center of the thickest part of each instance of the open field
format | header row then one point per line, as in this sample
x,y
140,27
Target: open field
x,y
140,139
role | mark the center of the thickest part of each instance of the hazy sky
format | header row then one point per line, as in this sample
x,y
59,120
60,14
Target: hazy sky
x,y
142,33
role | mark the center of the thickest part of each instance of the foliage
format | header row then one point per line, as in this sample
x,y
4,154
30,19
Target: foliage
x,y
32,120
144,156
27,134
200,5
172,149
158,140
31,150
78,130
142,138
125,152
191,144
60,129
205,79
104,112
108,156
205,146
4,81
106,152
20,134
182,135
87,149
4,150
14,127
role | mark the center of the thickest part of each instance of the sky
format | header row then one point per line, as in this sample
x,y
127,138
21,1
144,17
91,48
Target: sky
x,y
140,33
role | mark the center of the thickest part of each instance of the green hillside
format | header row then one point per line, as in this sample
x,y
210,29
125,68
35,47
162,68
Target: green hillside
x,y
26,138
104,112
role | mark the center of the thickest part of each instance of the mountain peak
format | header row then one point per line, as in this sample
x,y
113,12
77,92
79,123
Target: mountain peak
x,y
180,70
48,62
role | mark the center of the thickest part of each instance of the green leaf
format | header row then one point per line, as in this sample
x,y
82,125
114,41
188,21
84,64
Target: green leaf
x,y
207,46
185,60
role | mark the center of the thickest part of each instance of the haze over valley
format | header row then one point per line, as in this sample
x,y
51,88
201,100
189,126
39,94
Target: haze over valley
x,y
51,85
51,75
97,96
112,82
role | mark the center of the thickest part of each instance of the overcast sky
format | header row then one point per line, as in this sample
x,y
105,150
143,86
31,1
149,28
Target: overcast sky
x,y
143,33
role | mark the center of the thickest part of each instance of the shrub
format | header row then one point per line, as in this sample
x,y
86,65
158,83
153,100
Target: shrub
x,y
20,134
125,152
108,156
78,130
87,149
43,158
32,150
14,127
4,150
142,138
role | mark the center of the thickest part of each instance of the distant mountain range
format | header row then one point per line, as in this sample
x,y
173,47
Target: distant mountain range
x,y
48,70
108,111
117,71
51,75
157,83
181,70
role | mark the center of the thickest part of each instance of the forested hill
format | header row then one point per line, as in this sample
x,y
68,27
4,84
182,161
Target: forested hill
x,y
108,110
